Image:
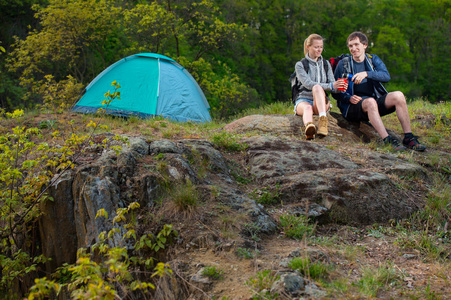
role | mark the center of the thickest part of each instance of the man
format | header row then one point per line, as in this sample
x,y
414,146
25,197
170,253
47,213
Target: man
x,y
366,99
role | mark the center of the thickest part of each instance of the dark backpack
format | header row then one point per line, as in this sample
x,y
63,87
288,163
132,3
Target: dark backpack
x,y
346,66
296,86
334,61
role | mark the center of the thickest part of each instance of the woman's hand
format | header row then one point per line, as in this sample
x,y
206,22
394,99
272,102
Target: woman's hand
x,y
341,85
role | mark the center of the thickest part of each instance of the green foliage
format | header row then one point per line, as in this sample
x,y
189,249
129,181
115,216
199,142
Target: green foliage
x,y
150,27
252,229
212,272
266,195
185,196
241,53
109,272
227,141
82,36
58,96
447,168
85,40
28,167
295,227
110,97
261,283
225,91
31,163
427,244
314,270
247,253
374,279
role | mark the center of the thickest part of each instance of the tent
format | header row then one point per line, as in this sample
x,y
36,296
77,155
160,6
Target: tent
x,y
151,85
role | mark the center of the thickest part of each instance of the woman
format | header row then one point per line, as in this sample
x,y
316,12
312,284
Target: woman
x,y
312,99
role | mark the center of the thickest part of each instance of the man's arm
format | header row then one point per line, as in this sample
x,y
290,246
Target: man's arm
x,y
341,96
380,72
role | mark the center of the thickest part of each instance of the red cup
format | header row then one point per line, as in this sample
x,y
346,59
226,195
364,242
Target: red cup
x,y
345,81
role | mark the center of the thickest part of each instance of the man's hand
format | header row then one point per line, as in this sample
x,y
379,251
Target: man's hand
x,y
357,78
355,99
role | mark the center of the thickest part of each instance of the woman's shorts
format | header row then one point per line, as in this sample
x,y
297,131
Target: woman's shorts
x,y
299,100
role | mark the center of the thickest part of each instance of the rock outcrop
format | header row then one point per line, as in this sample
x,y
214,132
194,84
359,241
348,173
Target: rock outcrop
x,y
309,177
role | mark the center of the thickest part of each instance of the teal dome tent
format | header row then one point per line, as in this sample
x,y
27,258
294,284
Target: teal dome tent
x,y
151,85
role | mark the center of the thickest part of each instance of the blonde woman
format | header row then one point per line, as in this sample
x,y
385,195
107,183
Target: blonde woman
x,y
316,76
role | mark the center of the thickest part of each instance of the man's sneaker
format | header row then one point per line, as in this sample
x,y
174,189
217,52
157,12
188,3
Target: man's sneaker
x,y
413,143
310,131
322,126
394,144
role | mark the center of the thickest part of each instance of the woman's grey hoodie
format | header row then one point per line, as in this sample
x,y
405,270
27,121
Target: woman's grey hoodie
x,y
316,75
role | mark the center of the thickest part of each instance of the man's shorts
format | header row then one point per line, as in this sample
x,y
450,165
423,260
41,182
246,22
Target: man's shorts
x,y
356,113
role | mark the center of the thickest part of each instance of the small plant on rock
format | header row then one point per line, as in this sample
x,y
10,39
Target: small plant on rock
x,y
227,141
266,196
261,284
247,253
185,196
295,227
310,269
213,272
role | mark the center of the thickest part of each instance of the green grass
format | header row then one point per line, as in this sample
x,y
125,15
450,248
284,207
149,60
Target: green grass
x,y
313,270
247,253
227,141
276,108
263,280
185,196
374,279
266,195
295,227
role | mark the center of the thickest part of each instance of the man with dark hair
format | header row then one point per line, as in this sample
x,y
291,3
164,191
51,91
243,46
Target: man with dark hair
x,y
366,99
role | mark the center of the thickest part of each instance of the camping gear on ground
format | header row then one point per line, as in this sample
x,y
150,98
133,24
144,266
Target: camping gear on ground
x,y
151,85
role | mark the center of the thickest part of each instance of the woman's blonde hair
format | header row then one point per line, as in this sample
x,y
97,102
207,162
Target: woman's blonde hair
x,y
309,41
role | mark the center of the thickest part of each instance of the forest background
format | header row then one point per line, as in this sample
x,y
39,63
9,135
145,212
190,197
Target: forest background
x,y
240,52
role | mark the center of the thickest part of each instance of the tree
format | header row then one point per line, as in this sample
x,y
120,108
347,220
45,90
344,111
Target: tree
x,y
76,38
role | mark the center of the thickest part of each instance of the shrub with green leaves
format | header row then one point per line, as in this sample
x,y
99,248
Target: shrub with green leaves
x,y
29,165
266,196
109,272
247,253
212,272
296,227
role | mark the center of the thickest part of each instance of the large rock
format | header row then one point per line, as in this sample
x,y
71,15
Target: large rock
x,y
57,224
322,182
308,176
291,125
356,197
269,157
111,181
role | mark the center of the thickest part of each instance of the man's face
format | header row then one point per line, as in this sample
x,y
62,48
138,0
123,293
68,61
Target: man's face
x,y
357,49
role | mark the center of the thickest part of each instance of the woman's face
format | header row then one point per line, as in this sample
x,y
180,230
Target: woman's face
x,y
315,50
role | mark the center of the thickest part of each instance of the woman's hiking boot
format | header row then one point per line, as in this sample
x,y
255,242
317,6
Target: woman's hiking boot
x,y
322,126
310,131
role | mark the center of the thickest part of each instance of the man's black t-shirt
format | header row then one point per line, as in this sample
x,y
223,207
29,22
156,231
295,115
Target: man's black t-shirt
x,y
365,88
